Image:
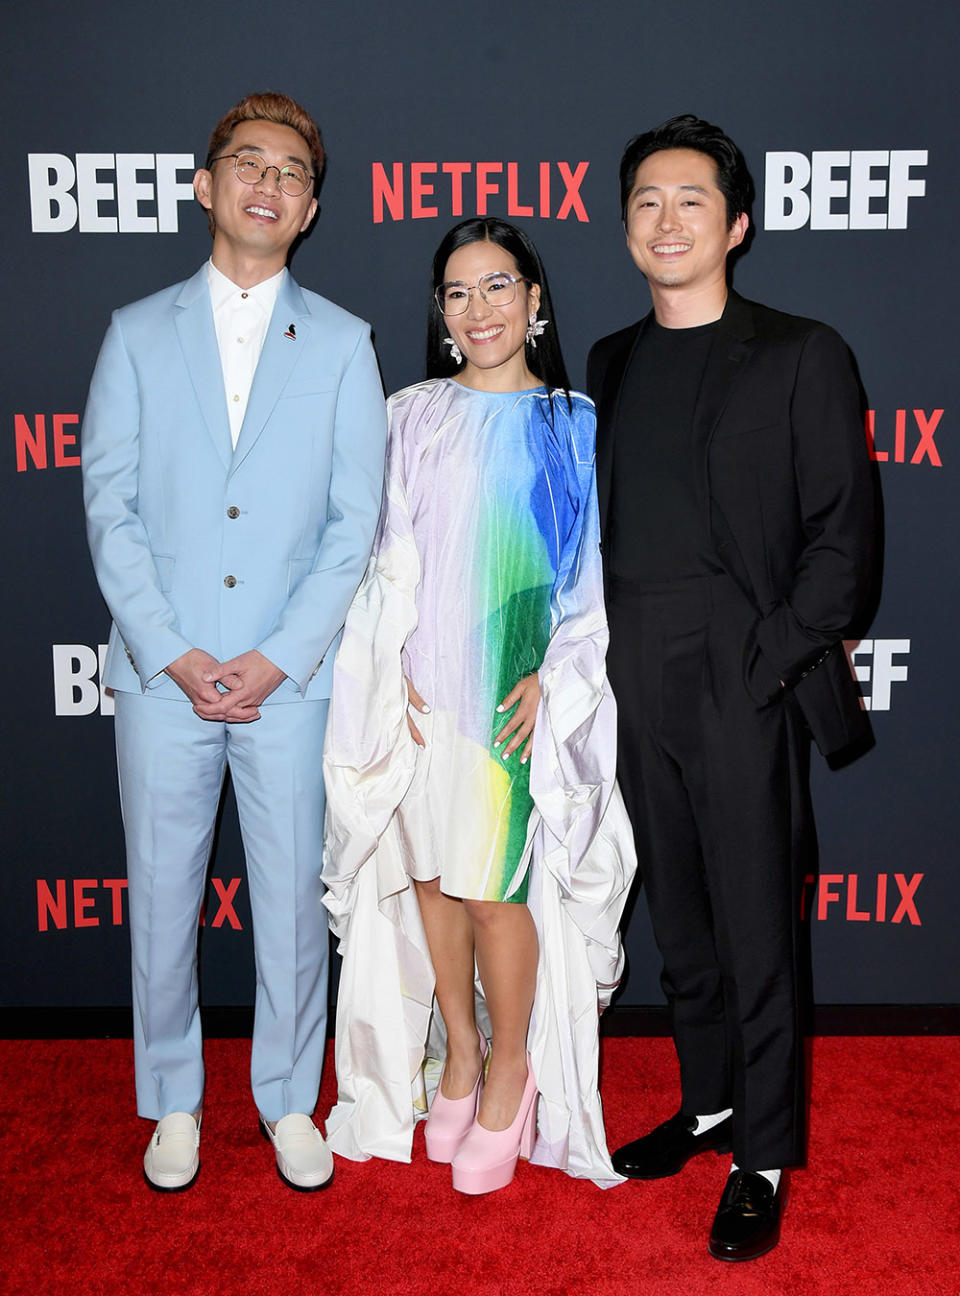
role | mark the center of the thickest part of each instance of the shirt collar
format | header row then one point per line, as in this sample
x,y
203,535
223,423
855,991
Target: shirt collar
x,y
224,290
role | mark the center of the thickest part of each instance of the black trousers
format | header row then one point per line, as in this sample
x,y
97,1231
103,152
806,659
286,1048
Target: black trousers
x,y
717,789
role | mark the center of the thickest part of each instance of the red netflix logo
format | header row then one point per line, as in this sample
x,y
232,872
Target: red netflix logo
x,y
32,441
921,445
422,188
861,899
85,902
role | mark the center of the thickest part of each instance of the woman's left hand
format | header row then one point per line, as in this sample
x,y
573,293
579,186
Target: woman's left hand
x,y
519,728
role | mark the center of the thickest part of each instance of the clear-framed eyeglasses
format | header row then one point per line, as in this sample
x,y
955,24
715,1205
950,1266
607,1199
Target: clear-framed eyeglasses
x,y
496,288
292,178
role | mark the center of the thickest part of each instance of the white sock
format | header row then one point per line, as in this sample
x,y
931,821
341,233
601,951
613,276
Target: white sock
x,y
705,1123
773,1176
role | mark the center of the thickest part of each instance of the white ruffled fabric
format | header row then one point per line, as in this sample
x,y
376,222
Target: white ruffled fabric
x,y
389,1042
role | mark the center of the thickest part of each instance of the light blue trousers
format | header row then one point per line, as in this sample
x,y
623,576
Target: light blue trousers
x,y
171,767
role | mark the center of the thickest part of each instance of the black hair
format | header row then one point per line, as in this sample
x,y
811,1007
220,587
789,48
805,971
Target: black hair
x,y
546,359
689,132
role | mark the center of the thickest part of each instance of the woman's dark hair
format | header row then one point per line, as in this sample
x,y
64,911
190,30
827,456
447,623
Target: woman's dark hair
x,y
546,360
689,132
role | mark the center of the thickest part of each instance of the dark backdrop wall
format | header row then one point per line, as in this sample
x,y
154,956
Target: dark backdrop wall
x,y
432,111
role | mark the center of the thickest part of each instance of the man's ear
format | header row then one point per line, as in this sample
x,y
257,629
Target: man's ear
x,y
202,182
311,212
738,230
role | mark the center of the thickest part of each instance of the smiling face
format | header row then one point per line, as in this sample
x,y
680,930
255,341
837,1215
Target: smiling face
x,y
491,337
677,228
255,224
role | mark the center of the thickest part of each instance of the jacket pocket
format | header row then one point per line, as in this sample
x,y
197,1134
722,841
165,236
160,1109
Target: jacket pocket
x,y
311,385
728,429
165,564
297,568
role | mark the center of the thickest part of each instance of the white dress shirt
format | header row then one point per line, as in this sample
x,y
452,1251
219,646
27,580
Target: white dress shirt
x,y
240,316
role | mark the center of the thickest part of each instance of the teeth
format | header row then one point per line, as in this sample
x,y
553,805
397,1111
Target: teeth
x,y
483,334
667,248
262,211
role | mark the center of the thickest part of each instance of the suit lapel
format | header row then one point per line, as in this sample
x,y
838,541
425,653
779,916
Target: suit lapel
x,y
732,347
198,341
608,409
282,349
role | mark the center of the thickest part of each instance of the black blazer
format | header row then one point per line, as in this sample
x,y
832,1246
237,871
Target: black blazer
x,y
789,494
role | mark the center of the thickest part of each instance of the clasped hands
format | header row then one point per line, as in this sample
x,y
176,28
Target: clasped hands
x,y
248,680
517,730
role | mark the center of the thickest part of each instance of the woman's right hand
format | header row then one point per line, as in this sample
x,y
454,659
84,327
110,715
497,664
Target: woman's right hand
x,y
415,700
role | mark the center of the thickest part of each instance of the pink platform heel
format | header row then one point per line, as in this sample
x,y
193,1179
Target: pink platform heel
x,y
487,1159
450,1119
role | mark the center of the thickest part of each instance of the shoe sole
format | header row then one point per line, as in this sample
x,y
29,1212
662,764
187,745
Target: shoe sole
x,y
442,1150
474,1183
171,1188
305,1188
725,1150
445,1157
733,1257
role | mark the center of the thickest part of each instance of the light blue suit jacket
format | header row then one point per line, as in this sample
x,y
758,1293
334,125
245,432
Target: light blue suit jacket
x,y
198,545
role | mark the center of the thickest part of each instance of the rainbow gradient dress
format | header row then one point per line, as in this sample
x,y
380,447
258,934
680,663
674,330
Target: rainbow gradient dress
x,y
494,487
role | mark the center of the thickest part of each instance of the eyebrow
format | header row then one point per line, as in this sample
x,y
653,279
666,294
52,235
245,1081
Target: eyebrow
x,y
462,283
257,148
695,188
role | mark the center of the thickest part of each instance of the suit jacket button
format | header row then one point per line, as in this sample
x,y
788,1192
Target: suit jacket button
x,y
233,511
229,581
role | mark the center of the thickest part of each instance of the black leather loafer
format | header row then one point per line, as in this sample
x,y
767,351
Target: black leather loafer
x,y
668,1148
747,1222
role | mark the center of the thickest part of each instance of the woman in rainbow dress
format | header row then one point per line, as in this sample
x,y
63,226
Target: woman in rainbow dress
x,y
477,852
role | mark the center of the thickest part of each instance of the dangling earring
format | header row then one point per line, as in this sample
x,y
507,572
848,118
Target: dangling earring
x,y
534,328
455,351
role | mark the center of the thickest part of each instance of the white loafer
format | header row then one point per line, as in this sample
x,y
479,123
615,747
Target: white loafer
x,y
172,1159
304,1161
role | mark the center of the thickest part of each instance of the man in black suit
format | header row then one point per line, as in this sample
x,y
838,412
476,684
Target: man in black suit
x,y
736,513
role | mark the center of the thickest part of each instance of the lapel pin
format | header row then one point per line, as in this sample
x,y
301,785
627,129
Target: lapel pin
x,y
291,333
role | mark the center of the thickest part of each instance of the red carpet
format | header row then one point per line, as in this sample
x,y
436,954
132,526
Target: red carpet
x,y
879,1210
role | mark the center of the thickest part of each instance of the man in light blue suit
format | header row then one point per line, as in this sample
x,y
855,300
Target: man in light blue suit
x,y
233,449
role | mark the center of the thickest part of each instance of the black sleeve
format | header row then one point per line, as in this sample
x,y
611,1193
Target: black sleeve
x,y
835,494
